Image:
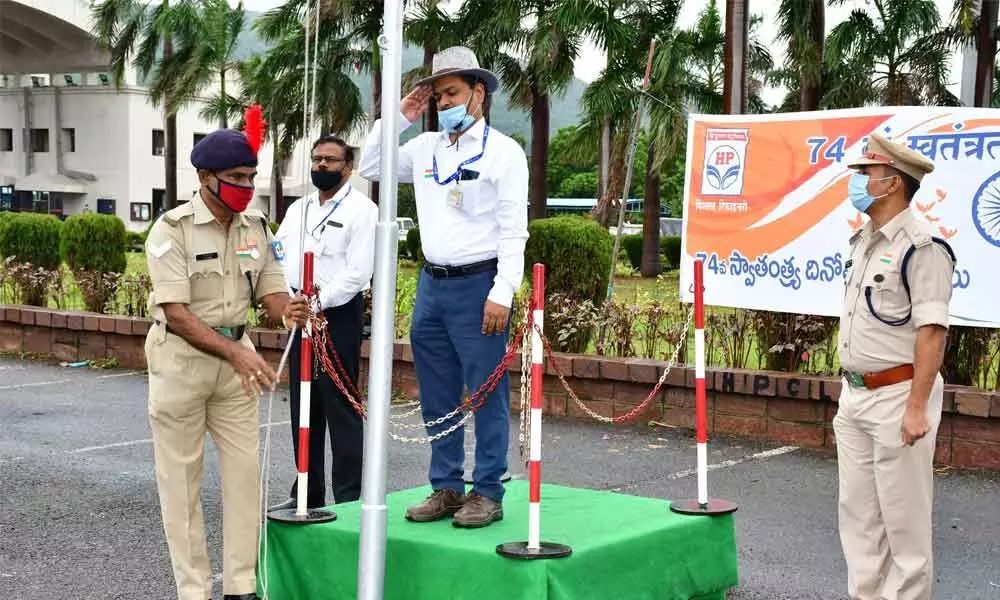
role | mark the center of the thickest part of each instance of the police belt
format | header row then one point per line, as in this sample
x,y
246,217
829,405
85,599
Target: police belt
x,y
873,381
445,272
233,333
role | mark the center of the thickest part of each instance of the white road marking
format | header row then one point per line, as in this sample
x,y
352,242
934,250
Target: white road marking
x,y
11,460
59,381
147,441
735,461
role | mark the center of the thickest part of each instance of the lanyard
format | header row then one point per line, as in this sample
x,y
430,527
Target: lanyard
x,y
322,223
454,176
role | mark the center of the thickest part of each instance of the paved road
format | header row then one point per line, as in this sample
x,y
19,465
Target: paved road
x,y
79,516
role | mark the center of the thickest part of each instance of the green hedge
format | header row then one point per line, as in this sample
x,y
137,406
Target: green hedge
x,y
576,252
94,242
32,238
5,218
413,245
671,249
632,246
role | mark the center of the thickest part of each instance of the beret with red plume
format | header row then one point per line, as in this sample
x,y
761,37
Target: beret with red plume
x,y
226,148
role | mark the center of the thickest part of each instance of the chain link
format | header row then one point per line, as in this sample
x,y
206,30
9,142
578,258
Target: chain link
x,y
325,349
524,432
635,411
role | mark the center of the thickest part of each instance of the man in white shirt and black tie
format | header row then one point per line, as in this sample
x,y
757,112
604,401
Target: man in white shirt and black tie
x,y
471,188
340,232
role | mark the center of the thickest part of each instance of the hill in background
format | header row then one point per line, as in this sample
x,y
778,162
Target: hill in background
x,y
565,110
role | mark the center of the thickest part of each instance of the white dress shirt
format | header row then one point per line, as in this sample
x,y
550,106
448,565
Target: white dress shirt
x,y
492,219
341,236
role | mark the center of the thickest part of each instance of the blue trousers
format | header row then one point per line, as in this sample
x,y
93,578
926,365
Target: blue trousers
x,y
450,353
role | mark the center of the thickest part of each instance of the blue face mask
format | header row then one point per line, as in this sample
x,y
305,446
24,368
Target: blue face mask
x,y
455,119
857,191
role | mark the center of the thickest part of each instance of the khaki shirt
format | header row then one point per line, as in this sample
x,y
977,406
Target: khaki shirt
x,y
867,344
194,260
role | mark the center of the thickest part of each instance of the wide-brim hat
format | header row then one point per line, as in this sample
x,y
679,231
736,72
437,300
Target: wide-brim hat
x,y
881,151
459,60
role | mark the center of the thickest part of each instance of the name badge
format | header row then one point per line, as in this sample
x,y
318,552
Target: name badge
x,y
277,250
207,256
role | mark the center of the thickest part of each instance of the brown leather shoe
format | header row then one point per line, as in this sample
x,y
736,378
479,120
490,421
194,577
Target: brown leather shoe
x,y
478,511
440,504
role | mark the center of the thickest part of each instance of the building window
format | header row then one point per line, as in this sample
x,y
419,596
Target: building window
x,y
39,140
69,139
158,196
6,140
159,142
198,137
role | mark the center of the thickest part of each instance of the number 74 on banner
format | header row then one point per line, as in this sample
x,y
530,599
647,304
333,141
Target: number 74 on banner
x,y
832,150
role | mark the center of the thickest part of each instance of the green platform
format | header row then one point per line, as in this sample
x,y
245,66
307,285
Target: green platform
x,y
624,548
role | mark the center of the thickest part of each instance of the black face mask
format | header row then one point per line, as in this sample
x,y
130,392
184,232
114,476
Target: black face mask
x,y
327,180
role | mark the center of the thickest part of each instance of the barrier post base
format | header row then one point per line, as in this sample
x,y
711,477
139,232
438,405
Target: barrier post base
x,y
714,507
521,551
313,515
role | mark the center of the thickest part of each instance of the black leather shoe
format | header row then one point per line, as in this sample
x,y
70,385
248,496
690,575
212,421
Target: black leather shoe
x,y
240,597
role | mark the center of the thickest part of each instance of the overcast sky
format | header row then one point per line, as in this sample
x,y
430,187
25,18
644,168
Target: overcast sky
x,y
591,61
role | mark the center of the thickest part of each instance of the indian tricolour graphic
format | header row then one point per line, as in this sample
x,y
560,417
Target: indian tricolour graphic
x,y
766,204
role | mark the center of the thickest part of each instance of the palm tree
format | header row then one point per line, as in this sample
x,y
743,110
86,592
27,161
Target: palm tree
x,y
903,48
277,80
975,22
801,26
133,32
211,53
432,29
533,62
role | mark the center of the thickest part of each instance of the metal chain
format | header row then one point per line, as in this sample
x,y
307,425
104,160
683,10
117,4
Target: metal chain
x,y
635,411
524,432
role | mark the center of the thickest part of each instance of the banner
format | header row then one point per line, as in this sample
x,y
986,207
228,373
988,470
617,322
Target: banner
x,y
766,208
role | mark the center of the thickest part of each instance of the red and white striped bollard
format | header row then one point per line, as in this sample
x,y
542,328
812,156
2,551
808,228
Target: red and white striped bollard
x,y
703,505
302,513
534,547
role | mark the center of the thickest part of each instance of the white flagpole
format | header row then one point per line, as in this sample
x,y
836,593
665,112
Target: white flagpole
x,y
371,556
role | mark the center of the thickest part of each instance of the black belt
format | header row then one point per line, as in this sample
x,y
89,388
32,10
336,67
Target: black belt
x,y
445,272
233,333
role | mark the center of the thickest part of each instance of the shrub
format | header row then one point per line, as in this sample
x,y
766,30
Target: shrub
x,y
31,240
136,241
671,249
576,252
413,245
94,247
632,245
5,218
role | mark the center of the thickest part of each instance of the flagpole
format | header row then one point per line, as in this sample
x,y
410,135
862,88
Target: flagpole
x,y
371,554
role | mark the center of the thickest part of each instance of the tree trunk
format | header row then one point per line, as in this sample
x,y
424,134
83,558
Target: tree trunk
x,y
650,266
539,151
430,115
224,120
277,187
987,47
606,211
376,114
811,87
735,88
170,154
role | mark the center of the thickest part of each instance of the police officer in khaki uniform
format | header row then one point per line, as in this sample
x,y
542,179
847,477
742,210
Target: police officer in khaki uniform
x,y
892,338
208,260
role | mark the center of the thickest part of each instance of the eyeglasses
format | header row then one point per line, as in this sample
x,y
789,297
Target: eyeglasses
x,y
329,159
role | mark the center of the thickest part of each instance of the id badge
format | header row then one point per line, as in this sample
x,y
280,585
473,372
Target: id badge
x,y
455,197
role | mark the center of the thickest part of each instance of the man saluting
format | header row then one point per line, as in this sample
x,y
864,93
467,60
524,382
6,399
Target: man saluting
x,y
471,188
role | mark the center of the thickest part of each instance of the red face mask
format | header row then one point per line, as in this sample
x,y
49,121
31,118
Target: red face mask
x,y
236,197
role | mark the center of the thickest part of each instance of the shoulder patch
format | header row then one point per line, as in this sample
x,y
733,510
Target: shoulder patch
x,y
175,214
856,236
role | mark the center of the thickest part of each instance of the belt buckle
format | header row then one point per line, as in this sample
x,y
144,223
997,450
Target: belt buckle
x,y
856,379
438,271
229,332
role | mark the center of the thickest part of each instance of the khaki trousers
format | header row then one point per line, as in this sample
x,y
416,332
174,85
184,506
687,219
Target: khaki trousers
x,y
190,393
886,493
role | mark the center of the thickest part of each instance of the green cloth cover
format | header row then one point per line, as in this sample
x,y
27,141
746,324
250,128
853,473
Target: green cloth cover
x,y
624,548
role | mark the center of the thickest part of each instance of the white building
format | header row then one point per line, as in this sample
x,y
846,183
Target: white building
x,y
70,141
